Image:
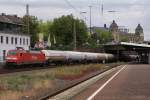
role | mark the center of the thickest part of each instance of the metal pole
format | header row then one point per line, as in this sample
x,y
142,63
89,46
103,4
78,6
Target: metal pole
x,y
90,19
74,35
27,15
102,10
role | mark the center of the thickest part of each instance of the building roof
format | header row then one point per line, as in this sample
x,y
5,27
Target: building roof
x,y
139,27
14,33
11,19
94,28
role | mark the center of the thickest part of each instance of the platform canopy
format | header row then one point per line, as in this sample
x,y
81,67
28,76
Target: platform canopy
x,y
126,46
135,44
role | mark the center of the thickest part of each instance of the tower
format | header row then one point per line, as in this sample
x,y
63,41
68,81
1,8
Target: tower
x,y
27,9
139,34
114,29
139,30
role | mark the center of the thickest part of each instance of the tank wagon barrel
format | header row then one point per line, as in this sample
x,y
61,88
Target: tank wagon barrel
x,y
72,56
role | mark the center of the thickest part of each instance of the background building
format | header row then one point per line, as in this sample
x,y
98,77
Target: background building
x,y
123,29
11,35
123,35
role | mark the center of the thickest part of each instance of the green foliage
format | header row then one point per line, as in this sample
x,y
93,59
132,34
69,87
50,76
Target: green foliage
x,y
45,28
18,83
81,30
104,36
98,38
27,80
23,81
62,28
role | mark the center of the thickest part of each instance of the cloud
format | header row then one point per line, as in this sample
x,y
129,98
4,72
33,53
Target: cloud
x,y
129,12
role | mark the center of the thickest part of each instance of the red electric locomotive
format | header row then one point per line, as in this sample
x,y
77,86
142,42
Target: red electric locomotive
x,y
20,57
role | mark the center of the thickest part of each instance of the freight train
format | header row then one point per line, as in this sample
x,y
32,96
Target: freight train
x,y
22,57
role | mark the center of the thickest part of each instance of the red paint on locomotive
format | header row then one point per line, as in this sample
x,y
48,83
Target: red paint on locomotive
x,y
19,57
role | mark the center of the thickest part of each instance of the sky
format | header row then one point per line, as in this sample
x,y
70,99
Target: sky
x,y
128,13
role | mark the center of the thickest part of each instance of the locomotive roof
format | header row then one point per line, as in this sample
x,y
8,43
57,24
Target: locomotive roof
x,y
24,51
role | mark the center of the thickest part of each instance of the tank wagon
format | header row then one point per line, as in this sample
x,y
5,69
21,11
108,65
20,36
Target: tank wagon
x,y
75,57
20,57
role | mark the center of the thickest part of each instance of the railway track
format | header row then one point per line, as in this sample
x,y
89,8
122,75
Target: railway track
x,y
48,96
14,69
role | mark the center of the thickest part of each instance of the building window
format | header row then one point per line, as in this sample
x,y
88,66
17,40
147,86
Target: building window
x,y
27,41
20,41
15,40
12,40
23,41
1,39
7,40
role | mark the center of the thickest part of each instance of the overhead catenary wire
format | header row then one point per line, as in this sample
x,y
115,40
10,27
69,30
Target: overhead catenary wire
x,y
73,7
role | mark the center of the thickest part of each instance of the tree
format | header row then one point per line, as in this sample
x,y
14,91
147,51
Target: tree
x,y
104,36
33,28
62,28
81,30
45,28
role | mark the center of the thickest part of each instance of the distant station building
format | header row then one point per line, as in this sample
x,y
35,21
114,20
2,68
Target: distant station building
x,y
123,29
11,36
94,30
123,35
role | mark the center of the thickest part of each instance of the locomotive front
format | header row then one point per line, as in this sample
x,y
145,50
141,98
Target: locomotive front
x,y
12,57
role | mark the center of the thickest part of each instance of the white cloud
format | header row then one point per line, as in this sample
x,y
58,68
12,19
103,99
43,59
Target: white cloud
x,y
129,12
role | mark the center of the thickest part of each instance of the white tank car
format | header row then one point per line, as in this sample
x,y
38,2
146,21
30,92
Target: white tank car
x,y
75,56
54,55
90,56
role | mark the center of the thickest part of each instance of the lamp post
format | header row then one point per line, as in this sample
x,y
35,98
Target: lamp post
x,y
113,12
83,12
74,36
27,19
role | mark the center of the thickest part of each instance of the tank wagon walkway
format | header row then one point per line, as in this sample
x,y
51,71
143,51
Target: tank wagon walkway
x,y
131,82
